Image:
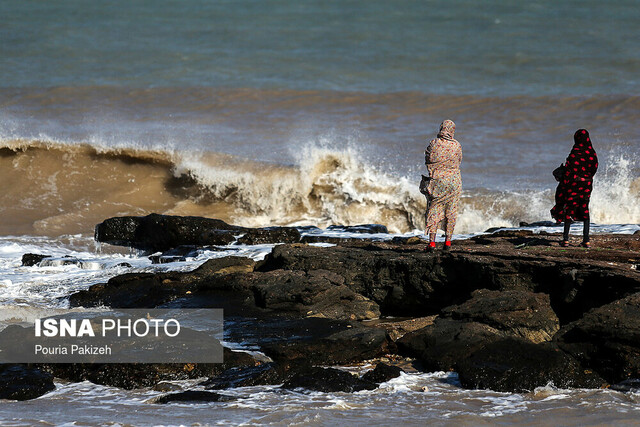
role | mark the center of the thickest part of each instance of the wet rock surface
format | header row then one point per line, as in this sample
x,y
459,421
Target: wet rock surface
x,y
607,339
382,373
515,365
509,311
327,380
163,232
29,260
193,396
139,375
20,382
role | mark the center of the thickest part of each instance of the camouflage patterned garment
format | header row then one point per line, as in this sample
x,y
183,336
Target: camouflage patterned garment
x,y
443,157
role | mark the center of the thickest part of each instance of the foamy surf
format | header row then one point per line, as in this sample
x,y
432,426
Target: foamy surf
x,y
54,189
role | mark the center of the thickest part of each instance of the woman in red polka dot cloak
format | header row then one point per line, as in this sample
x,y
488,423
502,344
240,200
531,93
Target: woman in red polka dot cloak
x,y
575,186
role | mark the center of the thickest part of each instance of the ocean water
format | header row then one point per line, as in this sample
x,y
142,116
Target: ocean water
x,y
303,113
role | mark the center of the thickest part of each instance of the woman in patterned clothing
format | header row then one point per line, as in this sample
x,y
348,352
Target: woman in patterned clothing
x,y
443,157
575,186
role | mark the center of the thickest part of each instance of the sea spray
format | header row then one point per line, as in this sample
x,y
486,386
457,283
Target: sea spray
x,y
323,186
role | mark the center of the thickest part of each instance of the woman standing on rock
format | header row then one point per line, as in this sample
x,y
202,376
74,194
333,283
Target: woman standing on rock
x,y
575,179
443,157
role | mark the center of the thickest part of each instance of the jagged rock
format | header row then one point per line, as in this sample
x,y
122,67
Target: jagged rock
x,y
166,386
265,374
607,339
193,396
148,290
29,260
140,375
318,341
318,293
396,329
328,380
19,382
487,316
409,282
267,235
519,313
445,343
517,366
161,232
318,238
382,373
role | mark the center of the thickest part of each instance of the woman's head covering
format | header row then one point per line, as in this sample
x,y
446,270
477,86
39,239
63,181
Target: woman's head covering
x,y
581,138
447,129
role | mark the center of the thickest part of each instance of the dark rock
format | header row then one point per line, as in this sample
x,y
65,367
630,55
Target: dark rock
x,y
411,240
362,228
161,232
19,382
319,238
29,260
338,343
516,366
268,235
382,373
519,313
124,265
318,293
488,316
165,386
397,328
148,290
409,282
328,380
193,396
637,232
607,339
140,375
265,374
441,346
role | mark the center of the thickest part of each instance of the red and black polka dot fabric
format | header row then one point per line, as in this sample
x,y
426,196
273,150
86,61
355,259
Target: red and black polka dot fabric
x,y
574,190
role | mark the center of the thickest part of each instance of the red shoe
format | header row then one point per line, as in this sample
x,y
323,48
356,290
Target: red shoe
x,y
447,245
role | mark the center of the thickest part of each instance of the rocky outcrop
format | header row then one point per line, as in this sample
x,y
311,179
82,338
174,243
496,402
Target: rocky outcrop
x,y
29,260
517,313
492,307
265,374
139,375
516,365
193,396
382,373
20,382
162,232
327,380
607,339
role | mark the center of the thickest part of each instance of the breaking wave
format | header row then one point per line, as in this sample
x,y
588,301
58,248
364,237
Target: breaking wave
x,y
52,188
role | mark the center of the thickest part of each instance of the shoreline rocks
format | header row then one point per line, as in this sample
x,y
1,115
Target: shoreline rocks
x,y
509,311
